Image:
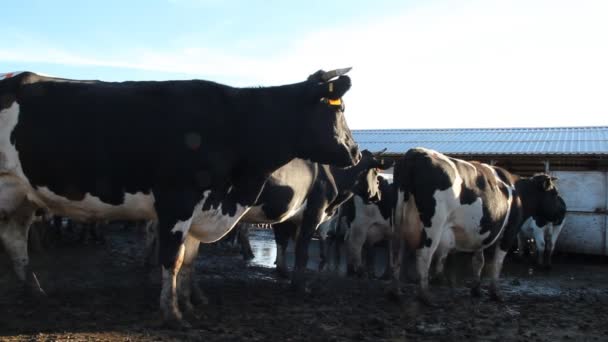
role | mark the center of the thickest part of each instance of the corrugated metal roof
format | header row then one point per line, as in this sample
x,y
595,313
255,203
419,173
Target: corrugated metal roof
x,y
524,141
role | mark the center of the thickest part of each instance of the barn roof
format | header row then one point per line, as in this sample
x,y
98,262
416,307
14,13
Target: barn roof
x,y
490,141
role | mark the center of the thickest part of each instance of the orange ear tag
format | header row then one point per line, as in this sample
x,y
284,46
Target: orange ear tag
x,y
335,102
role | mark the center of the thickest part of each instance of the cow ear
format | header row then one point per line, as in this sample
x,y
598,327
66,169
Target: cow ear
x,y
545,183
385,164
334,90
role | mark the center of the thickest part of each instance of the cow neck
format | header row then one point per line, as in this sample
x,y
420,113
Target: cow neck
x,y
346,178
524,188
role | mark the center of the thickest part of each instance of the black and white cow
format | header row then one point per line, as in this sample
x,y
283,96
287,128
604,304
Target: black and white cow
x,y
194,153
466,206
302,195
544,236
367,224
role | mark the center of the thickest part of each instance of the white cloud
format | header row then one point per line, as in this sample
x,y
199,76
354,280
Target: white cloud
x,y
451,64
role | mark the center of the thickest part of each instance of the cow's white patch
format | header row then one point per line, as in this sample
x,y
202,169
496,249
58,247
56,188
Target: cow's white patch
x,y
368,226
212,224
9,157
138,206
168,293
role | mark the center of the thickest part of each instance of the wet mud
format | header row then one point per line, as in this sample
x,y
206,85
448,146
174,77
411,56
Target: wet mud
x,y
103,292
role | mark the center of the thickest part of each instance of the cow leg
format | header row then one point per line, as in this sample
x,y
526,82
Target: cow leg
x,y
14,236
282,233
175,211
337,245
310,222
441,255
151,244
243,236
477,263
354,249
188,289
424,257
539,240
323,252
551,240
370,261
521,246
499,257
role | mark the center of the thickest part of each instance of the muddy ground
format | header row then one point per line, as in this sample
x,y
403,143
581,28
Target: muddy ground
x,y
102,292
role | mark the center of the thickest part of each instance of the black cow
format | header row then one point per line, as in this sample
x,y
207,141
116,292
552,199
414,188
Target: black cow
x,y
449,204
313,193
303,194
195,153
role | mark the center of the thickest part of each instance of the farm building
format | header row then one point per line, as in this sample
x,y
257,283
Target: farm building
x,y
578,156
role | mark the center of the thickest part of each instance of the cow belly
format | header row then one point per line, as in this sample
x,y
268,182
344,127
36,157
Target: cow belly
x,y
257,214
464,229
210,225
138,206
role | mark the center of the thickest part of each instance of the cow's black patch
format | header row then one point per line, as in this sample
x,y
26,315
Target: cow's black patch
x,y
467,196
276,199
425,241
420,173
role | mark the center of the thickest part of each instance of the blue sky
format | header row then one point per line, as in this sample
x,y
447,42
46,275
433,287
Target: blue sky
x,y
416,64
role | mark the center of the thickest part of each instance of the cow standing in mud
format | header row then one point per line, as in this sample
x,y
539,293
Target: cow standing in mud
x,y
545,236
313,194
194,153
446,204
367,224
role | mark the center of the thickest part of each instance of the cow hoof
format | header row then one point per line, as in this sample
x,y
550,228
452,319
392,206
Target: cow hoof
x,y
176,324
497,296
248,256
186,307
393,293
385,276
35,293
425,298
476,291
282,273
198,299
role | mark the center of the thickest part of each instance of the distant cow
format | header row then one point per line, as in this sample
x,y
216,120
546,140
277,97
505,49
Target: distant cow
x,y
196,154
466,206
302,195
544,236
367,224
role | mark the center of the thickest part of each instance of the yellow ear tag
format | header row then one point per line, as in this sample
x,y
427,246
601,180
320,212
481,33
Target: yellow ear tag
x,y
336,102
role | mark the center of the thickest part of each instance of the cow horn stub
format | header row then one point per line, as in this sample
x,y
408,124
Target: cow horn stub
x,y
379,153
328,75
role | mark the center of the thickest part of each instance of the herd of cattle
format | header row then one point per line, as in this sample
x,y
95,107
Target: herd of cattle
x,y
194,158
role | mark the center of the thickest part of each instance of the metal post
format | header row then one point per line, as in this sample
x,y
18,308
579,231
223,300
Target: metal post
x,y
606,215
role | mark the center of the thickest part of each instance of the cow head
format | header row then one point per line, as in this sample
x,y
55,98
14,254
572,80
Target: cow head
x,y
559,219
549,205
368,184
324,135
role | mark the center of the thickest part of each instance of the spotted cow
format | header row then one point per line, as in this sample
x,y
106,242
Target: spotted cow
x,y
194,154
367,224
446,204
314,192
544,236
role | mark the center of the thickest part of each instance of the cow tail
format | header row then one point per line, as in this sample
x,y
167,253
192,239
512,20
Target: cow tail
x,y
406,219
